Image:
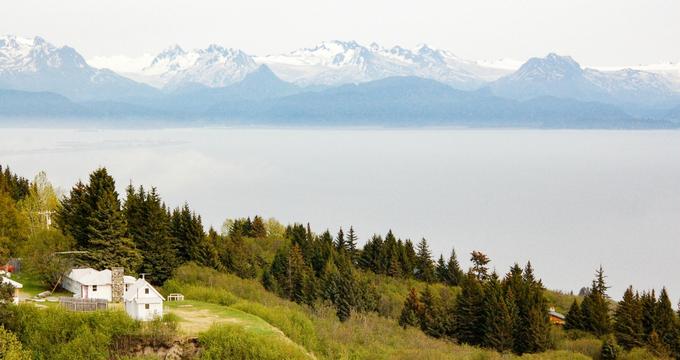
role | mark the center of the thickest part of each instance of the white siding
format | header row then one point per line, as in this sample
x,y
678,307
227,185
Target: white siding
x,y
103,292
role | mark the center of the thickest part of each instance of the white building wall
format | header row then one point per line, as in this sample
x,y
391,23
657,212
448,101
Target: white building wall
x,y
103,292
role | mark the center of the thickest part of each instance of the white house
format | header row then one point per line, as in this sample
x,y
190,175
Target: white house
x,y
143,302
16,286
88,283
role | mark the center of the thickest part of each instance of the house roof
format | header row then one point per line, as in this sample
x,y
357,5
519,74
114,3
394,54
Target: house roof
x,y
133,292
556,314
90,276
11,282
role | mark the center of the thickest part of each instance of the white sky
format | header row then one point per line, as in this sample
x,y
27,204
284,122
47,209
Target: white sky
x,y
595,33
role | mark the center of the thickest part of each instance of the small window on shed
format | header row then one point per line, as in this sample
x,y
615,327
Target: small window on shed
x,y
146,290
94,288
146,306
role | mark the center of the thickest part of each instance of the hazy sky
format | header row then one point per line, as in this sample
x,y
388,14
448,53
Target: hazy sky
x,y
596,33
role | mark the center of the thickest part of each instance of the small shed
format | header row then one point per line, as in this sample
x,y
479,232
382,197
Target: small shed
x,y
555,317
16,286
143,302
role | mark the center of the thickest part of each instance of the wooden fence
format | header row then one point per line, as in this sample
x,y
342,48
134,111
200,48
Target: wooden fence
x,y
76,304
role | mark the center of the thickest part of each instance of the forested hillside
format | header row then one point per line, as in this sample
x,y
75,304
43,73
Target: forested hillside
x,y
331,294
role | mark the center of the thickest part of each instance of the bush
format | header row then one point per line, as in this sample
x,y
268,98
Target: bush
x,y
10,347
587,346
55,333
637,354
233,342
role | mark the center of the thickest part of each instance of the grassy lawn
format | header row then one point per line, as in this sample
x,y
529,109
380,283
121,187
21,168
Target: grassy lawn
x,y
196,316
33,287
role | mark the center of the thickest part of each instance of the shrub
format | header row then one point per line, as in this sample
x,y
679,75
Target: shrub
x,y
587,346
10,347
233,342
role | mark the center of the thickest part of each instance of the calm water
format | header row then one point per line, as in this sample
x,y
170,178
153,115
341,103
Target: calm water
x,y
567,200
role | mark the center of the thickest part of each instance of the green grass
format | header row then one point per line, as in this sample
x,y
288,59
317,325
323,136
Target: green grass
x,y
32,285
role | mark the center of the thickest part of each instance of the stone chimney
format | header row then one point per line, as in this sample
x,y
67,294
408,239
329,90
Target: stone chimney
x,y
117,284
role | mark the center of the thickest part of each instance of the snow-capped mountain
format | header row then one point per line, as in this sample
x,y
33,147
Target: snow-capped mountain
x,y
36,65
214,66
561,76
339,62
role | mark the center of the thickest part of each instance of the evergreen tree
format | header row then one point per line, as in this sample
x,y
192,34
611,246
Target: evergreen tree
x,y
596,314
628,321
258,229
432,317
424,265
609,350
410,313
455,274
498,321
72,215
352,240
187,228
468,316
574,319
666,323
340,244
107,245
148,225
441,270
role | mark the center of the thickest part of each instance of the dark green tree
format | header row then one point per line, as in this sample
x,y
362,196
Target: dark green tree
x,y
455,274
258,229
498,320
441,270
610,350
574,319
468,315
424,268
412,310
628,321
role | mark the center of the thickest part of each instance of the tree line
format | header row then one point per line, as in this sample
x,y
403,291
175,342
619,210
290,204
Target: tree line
x,y
638,320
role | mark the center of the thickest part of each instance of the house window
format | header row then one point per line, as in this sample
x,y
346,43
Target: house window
x,y
127,286
146,306
146,290
94,288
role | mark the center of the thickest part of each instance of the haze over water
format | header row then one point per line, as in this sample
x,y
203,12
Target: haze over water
x,y
566,200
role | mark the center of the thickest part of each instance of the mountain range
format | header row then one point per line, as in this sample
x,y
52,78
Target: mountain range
x,y
333,83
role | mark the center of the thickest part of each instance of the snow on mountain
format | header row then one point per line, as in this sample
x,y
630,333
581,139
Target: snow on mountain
x,y
36,65
214,66
340,62
561,76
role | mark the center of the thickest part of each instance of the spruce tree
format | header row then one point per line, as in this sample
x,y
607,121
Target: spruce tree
x,y
258,229
455,274
432,317
352,240
498,321
468,316
628,321
574,319
107,244
424,265
441,270
340,244
596,314
609,350
666,322
411,311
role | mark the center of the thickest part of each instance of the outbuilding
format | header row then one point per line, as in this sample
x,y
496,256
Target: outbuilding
x,y
143,302
15,285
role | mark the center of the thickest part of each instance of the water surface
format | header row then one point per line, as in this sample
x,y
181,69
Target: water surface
x,y
566,200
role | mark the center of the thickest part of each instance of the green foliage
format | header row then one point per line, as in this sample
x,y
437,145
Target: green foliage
x,y
148,225
628,321
54,333
11,348
15,186
13,227
574,319
412,310
233,342
38,254
595,307
610,349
